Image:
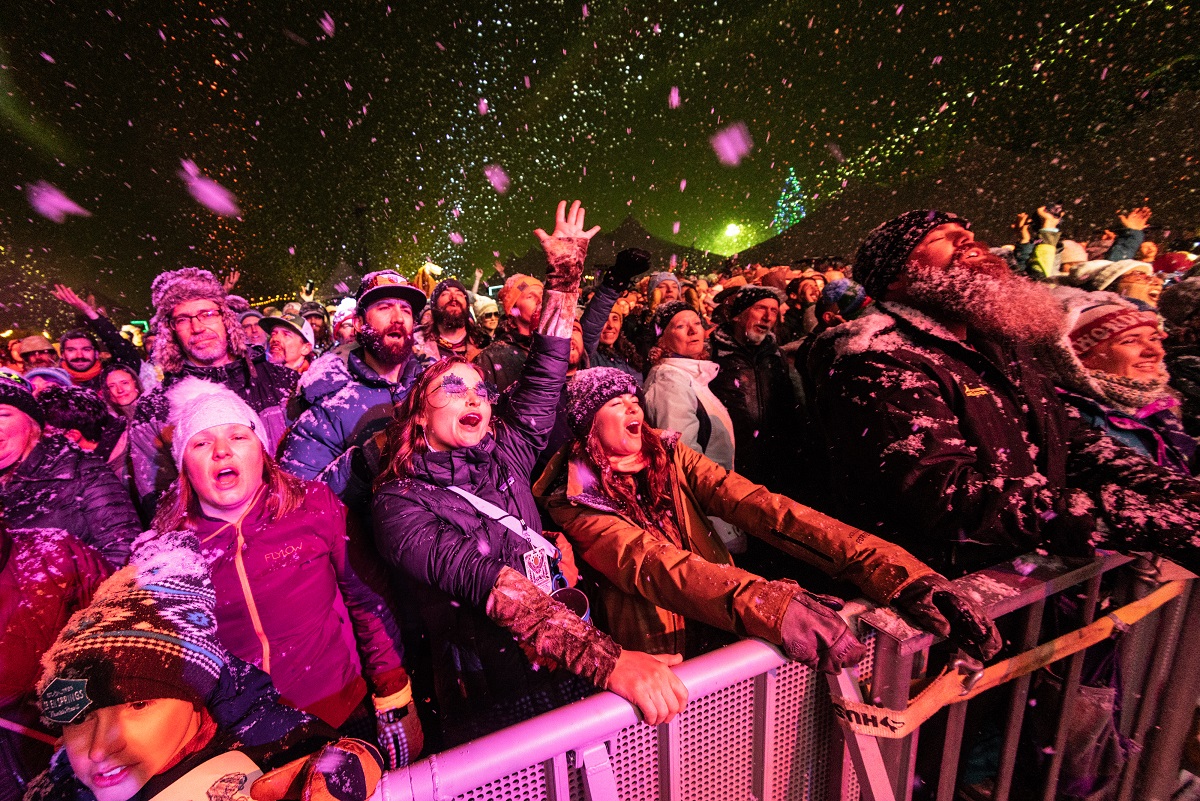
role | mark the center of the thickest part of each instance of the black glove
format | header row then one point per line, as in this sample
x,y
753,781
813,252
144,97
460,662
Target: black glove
x,y
630,264
938,606
815,635
1069,530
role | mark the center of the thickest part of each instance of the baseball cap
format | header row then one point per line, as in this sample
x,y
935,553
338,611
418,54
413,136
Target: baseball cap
x,y
292,322
388,284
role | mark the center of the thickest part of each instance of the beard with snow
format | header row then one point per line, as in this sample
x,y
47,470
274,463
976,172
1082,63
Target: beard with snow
x,y
387,351
979,290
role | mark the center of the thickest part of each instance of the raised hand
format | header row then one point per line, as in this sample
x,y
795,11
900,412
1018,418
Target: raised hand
x,y
1136,220
1022,226
68,296
568,225
566,249
1048,219
230,281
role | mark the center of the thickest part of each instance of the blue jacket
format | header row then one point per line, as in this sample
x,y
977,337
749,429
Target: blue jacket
x,y
347,404
1154,432
1126,245
453,554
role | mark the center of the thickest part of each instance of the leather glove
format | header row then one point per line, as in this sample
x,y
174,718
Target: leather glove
x,y
344,770
815,635
630,264
938,606
399,728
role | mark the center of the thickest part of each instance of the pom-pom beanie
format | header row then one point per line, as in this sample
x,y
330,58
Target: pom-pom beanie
x,y
197,405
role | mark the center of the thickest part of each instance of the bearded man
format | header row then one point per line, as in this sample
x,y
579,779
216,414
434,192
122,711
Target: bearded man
x,y
451,331
946,436
347,395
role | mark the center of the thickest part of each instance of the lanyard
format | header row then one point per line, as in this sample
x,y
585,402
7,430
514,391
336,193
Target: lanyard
x,y
511,522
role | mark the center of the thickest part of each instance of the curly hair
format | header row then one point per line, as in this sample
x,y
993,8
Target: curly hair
x,y
647,496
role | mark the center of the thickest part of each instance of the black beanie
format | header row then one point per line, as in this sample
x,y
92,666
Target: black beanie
x,y
884,253
666,312
16,392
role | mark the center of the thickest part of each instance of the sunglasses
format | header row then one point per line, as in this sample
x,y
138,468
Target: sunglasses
x,y
454,387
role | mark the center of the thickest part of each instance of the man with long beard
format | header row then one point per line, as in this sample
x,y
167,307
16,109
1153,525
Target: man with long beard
x,y
947,437
350,391
451,332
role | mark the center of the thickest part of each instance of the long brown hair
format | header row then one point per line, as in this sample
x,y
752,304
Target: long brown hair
x,y
405,438
180,505
646,496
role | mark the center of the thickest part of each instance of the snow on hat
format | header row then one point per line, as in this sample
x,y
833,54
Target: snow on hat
x,y
16,391
198,405
592,388
514,288
150,632
884,254
442,286
750,294
658,278
1104,319
1071,251
1180,301
666,312
344,311
293,322
180,286
844,295
1107,275
55,375
388,284
34,344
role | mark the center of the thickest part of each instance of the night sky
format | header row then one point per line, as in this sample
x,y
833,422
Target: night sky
x,y
305,111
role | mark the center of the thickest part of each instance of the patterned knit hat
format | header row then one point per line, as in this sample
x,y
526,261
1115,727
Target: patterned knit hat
x,y
16,392
592,388
666,312
884,253
845,297
748,295
198,405
1105,319
149,632
344,311
658,278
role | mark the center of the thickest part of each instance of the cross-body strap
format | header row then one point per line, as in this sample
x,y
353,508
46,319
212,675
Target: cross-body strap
x,y
513,523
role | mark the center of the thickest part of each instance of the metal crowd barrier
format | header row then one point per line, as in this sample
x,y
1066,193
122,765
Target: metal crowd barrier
x,y
760,727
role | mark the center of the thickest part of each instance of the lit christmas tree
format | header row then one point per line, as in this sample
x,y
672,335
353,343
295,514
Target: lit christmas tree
x,y
789,209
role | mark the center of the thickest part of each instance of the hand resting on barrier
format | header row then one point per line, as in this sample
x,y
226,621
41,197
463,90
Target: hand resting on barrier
x,y
646,681
936,605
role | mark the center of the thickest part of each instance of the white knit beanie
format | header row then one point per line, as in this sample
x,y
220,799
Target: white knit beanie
x,y
198,405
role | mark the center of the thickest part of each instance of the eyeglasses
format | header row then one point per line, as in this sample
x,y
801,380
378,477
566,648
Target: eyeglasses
x,y
454,387
203,319
47,352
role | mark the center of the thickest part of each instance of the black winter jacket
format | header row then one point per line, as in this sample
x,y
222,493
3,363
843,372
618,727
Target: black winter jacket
x,y
756,387
60,486
264,386
455,553
963,453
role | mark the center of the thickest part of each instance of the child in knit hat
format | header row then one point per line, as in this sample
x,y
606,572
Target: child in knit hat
x,y
149,701
279,554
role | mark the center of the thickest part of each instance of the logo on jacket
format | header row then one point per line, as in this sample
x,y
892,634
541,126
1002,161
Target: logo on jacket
x,y
974,392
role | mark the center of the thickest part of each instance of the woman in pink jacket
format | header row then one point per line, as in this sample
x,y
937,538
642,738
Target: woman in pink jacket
x,y
289,599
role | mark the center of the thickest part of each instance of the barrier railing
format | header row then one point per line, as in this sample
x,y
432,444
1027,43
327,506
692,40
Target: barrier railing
x,y
758,726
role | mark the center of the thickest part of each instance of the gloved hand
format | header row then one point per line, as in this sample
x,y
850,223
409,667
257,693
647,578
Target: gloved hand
x,y
815,635
1069,529
630,264
938,606
566,249
344,770
399,728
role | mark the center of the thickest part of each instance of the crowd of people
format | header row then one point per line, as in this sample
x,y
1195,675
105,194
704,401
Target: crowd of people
x,y
407,518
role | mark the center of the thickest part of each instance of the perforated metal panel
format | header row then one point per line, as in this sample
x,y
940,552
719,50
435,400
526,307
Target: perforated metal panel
x,y
634,756
527,784
716,735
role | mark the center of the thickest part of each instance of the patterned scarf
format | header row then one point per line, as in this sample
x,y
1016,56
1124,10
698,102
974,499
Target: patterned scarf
x,y
1128,394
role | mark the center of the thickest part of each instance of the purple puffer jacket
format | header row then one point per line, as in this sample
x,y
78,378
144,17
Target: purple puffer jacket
x,y
282,603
